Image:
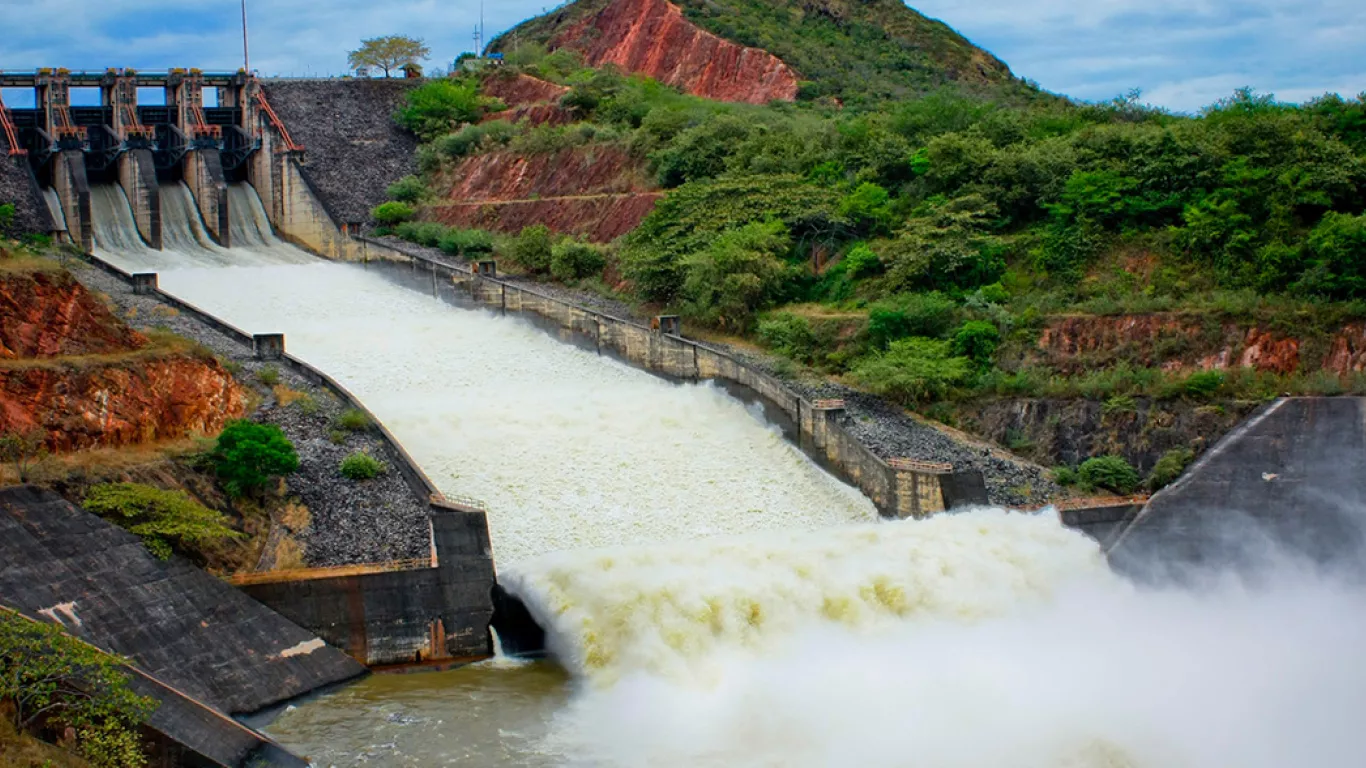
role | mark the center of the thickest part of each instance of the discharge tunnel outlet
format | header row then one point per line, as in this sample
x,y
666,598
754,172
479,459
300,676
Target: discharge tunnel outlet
x,y
486,269
268,346
669,325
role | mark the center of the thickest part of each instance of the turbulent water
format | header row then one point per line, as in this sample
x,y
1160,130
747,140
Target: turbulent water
x,y
721,601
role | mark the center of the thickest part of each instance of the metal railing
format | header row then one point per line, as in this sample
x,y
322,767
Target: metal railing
x,y
11,135
310,574
912,465
277,123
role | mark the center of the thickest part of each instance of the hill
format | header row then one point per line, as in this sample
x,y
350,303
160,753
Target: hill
x,y
861,52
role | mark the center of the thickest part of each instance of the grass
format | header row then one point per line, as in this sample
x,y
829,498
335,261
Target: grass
x,y
161,344
20,750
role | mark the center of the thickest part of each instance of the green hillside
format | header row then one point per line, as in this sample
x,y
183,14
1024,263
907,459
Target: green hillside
x,y
859,51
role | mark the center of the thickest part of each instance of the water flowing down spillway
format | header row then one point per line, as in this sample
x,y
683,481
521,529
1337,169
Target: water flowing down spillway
x,y
721,601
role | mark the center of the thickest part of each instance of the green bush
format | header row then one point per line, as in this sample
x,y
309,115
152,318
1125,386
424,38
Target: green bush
x,y
392,213
428,233
977,341
7,213
1203,384
51,680
1336,267
362,466
740,274
533,248
1169,467
928,315
465,242
476,138
166,521
572,260
1065,476
861,262
353,420
408,189
913,371
868,206
1109,472
248,455
270,375
438,106
789,335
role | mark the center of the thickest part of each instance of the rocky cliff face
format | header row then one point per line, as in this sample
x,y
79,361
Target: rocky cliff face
x,y
17,188
47,314
73,370
527,98
596,192
653,38
1173,342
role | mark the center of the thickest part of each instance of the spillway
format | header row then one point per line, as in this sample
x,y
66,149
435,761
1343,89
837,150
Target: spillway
x,y
719,600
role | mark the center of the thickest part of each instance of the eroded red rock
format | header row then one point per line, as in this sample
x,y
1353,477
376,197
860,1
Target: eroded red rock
x,y
46,314
652,37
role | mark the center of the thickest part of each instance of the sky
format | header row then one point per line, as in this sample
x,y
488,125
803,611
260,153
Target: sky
x,y
1182,54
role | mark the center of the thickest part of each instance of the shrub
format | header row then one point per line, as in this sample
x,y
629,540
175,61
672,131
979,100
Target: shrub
x,y
533,248
166,521
1065,476
868,206
573,260
474,138
49,678
789,335
353,420
392,213
7,212
362,466
428,233
861,261
248,455
1169,467
1109,472
439,105
408,189
1203,384
977,340
465,242
929,315
270,375
913,371
23,450
1119,404
740,273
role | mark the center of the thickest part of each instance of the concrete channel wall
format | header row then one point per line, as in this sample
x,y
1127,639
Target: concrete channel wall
x,y
899,489
436,614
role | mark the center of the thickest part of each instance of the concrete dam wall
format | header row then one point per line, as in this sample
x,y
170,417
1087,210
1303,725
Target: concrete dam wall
x,y
218,651
1290,483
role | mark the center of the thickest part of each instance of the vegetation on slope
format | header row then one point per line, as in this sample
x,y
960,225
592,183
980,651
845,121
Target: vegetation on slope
x,y
921,249
862,52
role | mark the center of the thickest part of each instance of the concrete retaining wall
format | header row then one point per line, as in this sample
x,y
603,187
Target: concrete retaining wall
x,y
138,177
204,177
73,190
1289,482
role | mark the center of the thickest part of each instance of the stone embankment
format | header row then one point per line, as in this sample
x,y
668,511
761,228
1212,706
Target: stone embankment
x,y
885,429
18,189
376,521
353,149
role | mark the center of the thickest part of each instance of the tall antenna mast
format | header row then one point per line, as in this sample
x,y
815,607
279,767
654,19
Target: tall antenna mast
x,y
246,60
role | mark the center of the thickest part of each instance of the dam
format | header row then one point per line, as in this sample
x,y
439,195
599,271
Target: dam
x,y
709,591
712,596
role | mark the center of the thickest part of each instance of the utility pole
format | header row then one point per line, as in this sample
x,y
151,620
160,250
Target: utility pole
x,y
480,52
246,59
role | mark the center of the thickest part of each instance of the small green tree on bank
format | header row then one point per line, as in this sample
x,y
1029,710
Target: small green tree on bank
x,y
248,455
391,53
23,450
166,521
48,678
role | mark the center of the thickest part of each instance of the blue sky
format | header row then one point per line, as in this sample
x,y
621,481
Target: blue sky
x,y
1183,54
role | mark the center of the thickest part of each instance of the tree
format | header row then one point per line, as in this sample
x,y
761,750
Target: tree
x,y
913,371
248,455
164,520
48,677
740,273
23,450
389,53
393,212
534,247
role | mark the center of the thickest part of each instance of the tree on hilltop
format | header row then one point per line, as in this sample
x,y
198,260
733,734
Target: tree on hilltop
x,y
389,53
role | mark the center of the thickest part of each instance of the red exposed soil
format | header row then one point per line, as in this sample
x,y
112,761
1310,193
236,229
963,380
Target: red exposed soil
x,y
46,314
521,90
653,38
536,114
1073,344
576,171
111,406
597,218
